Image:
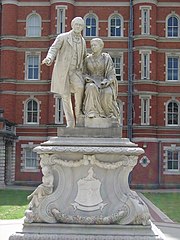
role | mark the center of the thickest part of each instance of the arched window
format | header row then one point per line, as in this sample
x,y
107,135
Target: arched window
x,y
33,25
91,25
115,26
173,113
32,112
173,26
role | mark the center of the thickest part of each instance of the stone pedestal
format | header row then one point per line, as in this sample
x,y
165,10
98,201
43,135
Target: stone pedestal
x,y
85,192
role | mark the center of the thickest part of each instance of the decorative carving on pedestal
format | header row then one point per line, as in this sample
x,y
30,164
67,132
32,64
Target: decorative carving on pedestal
x,y
89,187
88,195
114,218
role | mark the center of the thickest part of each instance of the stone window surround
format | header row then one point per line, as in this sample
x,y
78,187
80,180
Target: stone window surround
x,y
40,27
60,8
148,71
167,171
166,111
173,14
148,107
29,145
177,54
144,9
25,111
114,54
109,24
91,13
32,53
57,97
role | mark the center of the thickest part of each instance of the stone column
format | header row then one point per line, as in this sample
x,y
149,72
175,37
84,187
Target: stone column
x,y
2,162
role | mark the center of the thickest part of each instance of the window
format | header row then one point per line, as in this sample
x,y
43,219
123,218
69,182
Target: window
x,y
145,65
173,113
32,112
59,111
173,68
145,110
91,25
33,25
118,64
173,160
32,67
30,159
61,19
172,26
115,26
145,20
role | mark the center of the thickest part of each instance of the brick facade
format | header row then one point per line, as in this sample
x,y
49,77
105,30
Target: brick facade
x,y
156,99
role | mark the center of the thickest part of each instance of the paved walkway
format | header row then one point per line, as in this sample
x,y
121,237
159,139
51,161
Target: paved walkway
x,y
170,229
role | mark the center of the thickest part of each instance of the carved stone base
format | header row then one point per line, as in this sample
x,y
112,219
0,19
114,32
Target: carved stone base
x,y
39,231
100,122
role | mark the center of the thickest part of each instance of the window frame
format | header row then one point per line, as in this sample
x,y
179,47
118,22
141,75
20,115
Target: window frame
x,y
121,25
145,68
59,110
173,148
178,26
120,56
26,112
145,25
145,110
167,68
96,26
167,113
60,28
37,26
24,168
28,55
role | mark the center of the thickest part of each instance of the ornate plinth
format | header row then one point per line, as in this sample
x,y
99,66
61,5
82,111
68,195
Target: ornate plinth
x,y
85,183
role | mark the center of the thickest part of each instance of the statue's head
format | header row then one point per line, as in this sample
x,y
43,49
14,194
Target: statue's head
x,y
77,24
98,43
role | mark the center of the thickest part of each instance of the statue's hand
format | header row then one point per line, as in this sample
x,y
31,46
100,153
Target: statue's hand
x,y
47,61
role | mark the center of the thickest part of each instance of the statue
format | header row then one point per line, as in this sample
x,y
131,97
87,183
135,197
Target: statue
x,y
101,84
69,49
43,189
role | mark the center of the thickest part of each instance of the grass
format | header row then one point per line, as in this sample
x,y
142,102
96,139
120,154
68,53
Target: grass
x,y
13,203
169,203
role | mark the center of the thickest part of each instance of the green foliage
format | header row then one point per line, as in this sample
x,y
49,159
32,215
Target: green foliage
x,y
13,203
169,203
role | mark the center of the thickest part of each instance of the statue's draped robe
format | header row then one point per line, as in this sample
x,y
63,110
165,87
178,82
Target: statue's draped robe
x,y
100,102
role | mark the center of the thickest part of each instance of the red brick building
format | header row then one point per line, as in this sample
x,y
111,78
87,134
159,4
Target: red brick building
x,y
143,38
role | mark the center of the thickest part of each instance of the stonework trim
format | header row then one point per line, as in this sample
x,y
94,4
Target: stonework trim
x,y
142,1
29,4
25,4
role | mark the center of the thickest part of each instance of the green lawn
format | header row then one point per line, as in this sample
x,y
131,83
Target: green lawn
x,y
13,203
169,203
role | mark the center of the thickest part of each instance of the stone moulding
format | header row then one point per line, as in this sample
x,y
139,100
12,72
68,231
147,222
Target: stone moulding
x,y
120,150
114,218
48,159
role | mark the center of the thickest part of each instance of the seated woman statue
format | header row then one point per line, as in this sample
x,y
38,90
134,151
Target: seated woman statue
x,y
101,84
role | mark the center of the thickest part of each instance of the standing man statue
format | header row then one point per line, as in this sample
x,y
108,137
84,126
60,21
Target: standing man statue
x,y
69,49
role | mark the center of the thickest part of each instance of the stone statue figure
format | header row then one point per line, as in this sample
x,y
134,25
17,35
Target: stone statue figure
x,y
43,189
69,49
101,84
